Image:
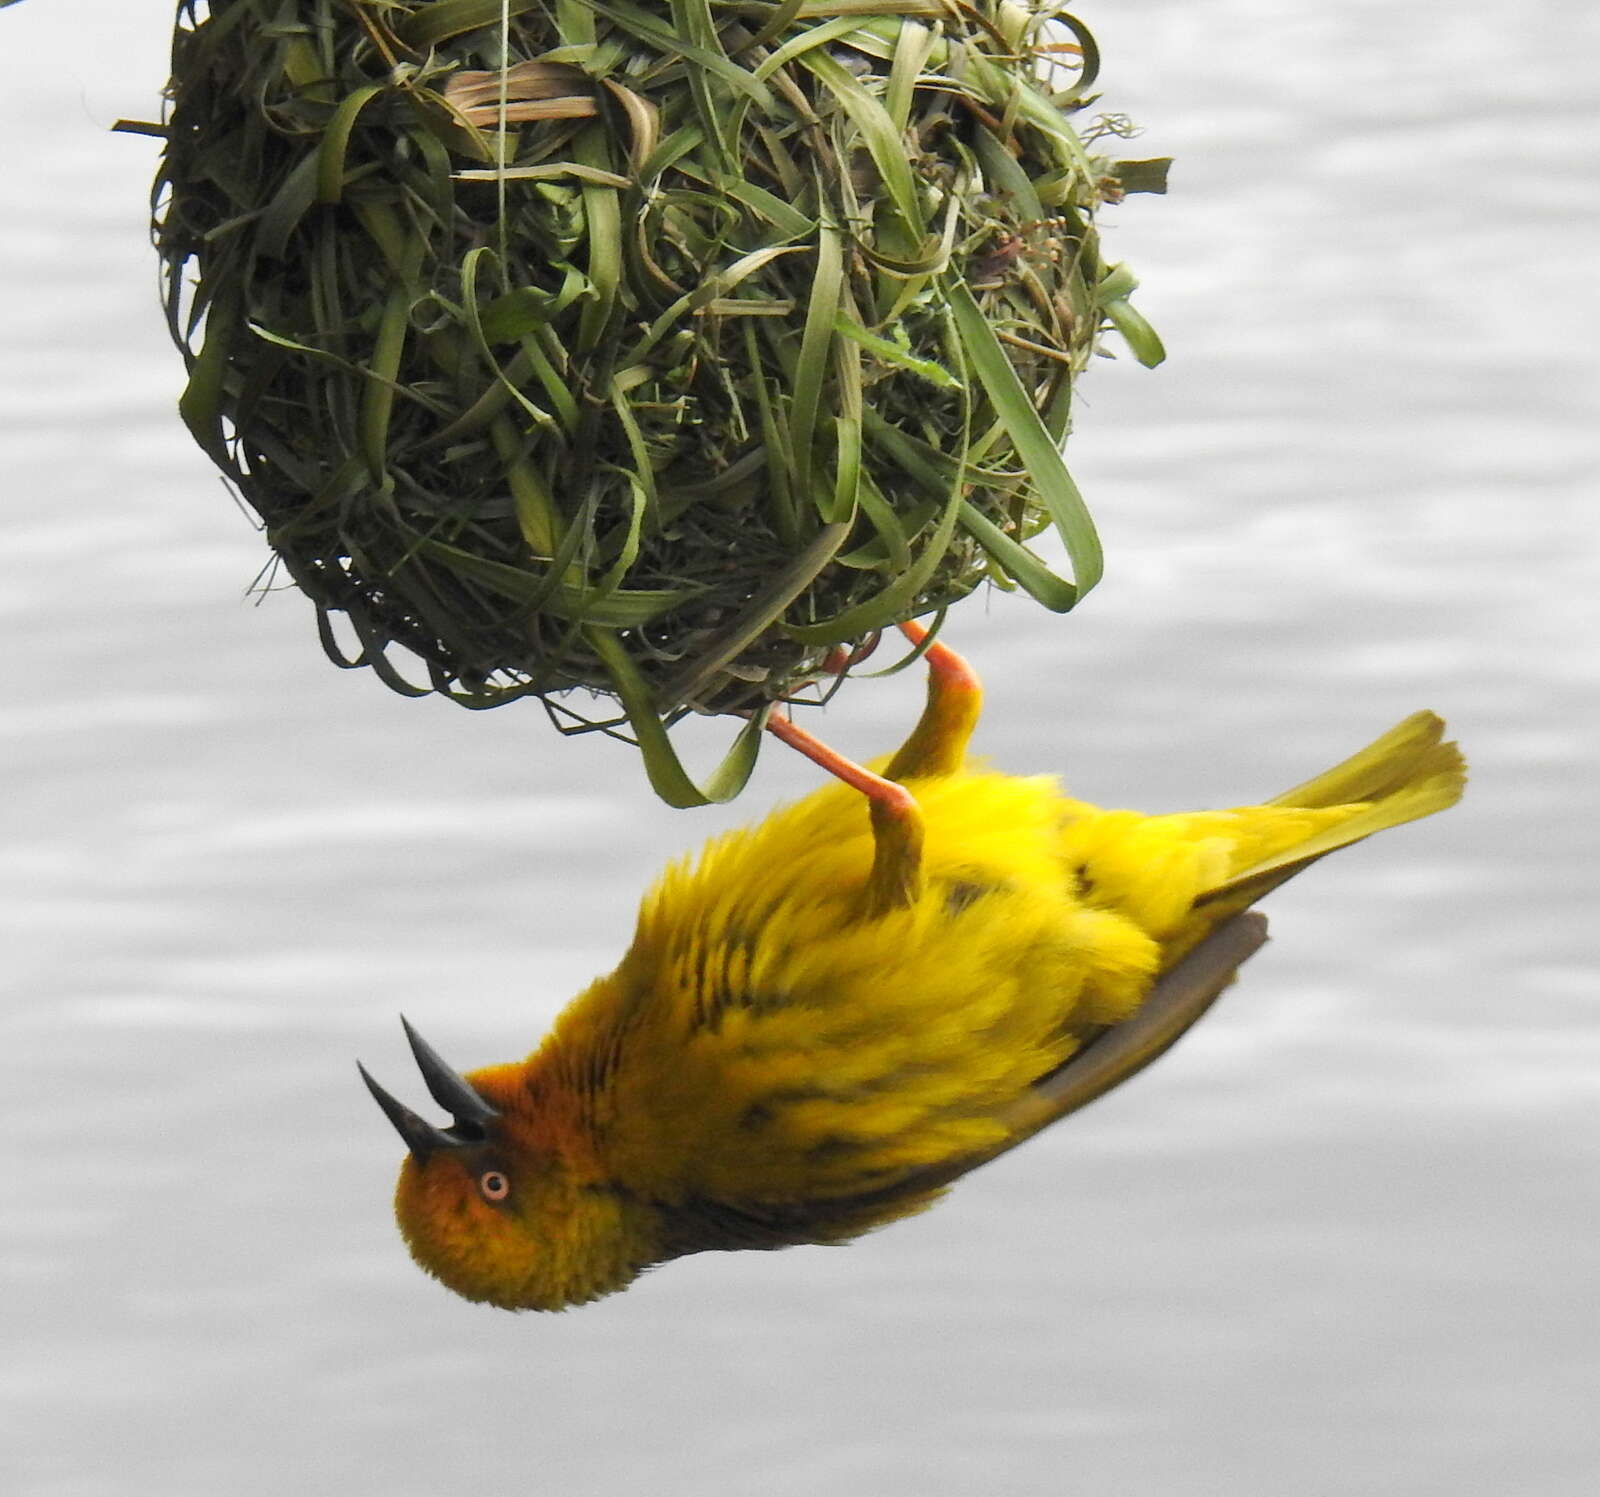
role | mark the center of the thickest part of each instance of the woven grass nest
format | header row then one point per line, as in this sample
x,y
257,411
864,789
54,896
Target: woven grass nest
x,y
659,350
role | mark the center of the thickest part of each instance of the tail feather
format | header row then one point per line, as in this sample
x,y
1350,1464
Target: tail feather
x,y
1406,774
1385,765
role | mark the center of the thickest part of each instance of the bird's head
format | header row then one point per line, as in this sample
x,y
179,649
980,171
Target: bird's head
x,y
499,1206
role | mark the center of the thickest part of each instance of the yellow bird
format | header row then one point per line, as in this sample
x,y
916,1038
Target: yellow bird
x,y
825,1019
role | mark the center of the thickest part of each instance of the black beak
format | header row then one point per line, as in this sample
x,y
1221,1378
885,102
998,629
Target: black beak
x,y
448,1088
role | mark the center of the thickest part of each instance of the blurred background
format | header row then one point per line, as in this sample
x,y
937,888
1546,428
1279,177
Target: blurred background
x,y
1341,1242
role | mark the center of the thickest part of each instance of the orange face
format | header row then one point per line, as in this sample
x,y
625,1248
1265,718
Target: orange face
x,y
496,1206
509,1226
461,1215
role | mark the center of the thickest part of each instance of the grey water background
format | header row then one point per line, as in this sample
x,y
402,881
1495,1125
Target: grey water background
x,y
1342,1241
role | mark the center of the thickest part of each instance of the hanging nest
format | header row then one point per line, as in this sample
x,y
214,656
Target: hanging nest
x,y
654,350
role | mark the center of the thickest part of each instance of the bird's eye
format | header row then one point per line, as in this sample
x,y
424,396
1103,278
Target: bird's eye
x,y
493,1185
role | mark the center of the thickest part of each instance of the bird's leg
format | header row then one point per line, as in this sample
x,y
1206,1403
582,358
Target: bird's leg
x,y
896,877
937,746
938,743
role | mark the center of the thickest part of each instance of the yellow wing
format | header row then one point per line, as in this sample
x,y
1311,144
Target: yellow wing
x,y
763,1043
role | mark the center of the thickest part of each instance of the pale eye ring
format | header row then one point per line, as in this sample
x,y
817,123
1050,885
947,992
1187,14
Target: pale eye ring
x,y
493,1185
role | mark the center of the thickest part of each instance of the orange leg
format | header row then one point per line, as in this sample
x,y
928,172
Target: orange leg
x,y
937,746
896,877
938,743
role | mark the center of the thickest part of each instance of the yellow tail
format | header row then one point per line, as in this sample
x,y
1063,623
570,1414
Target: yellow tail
x,y
1408,773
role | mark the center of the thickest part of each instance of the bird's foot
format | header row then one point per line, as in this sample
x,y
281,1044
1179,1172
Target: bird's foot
x,y
938,743
937,746
896,877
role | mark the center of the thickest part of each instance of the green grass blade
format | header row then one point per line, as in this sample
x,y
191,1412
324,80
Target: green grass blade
x,y
1035,446
336,142
664,768
811,369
